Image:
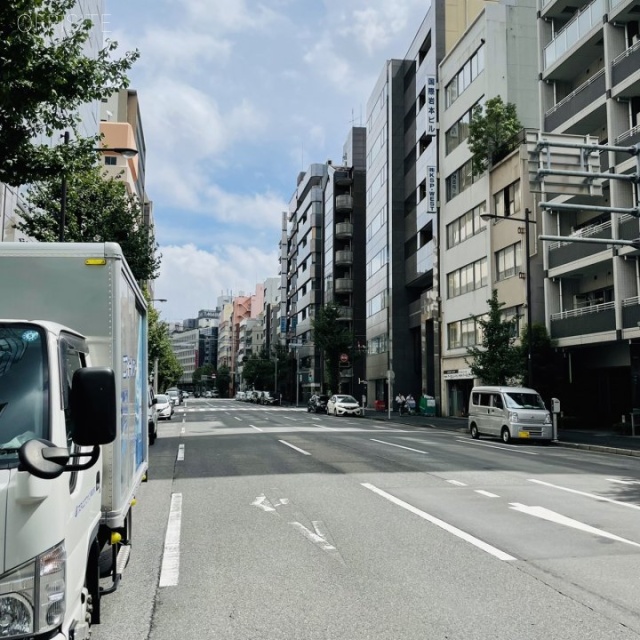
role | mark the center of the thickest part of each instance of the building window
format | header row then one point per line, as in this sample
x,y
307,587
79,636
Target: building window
x,y
377,345
470,70
464,333
110,160
460,180
468,278
508,200
508,261
466,226
513,314
459,132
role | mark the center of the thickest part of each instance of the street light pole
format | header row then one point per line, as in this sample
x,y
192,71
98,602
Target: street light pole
x,y
63,197
527,235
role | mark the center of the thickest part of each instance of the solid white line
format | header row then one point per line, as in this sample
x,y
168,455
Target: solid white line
x,y
293,446
493,446
170,568
391,444
180,455
501,555
588,495
457,483
488,494
624,481
552,516
253,426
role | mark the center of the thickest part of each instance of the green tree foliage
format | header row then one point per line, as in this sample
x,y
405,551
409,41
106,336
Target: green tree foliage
x,y
332,338
492,133
202,376
258,370
545,369
223,378
46,76
159,346
499,360
99,209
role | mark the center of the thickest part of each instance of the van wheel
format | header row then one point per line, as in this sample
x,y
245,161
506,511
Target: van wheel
x,y
506,436
475,434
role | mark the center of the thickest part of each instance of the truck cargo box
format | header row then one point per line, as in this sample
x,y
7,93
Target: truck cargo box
x,y
90,288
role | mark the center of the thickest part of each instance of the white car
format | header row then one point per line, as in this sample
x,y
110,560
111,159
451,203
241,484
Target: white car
x,y
164,407
343,405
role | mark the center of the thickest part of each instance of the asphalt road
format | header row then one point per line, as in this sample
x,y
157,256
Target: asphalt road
x,y
271,523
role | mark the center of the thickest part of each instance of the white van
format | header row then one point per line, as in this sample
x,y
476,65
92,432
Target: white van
x,y
509,413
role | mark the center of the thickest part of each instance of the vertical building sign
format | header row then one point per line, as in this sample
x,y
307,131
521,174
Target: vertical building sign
x,y
432,107
431,190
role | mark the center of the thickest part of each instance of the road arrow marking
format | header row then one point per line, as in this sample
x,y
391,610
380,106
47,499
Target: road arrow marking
x,y
584,493
552,516
315,537
624,481
262,502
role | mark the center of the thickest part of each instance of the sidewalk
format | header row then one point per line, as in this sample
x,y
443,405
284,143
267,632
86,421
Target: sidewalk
x,y
594,440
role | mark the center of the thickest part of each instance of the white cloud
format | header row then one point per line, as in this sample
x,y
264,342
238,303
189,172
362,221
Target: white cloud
x,y
192,279
223,16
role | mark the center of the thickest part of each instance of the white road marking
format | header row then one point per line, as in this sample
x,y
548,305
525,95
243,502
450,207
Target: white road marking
x,y
488,494
457,483
316,538
391,444
180,455
182,431
624,481
501,555
494,446
236,417
321,426
263,503
170,568
588,495
293,446
253,426
552,516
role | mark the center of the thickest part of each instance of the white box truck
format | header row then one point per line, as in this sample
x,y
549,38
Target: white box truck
x,y
73,431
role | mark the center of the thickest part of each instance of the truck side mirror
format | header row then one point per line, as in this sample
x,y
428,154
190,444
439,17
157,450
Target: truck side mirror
x,y
93,406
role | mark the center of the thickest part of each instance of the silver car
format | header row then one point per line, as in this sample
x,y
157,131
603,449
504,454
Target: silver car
x,y
343,405
164,407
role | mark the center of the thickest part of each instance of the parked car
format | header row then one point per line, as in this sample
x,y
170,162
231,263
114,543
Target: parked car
x,y
267,398
317,403
343,405
240,395
215,393
174,396
153,417
164,407
208,394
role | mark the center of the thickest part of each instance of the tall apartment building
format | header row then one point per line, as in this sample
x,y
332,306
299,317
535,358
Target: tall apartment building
x,y
590,85
496,56
304,272
345,252
401,233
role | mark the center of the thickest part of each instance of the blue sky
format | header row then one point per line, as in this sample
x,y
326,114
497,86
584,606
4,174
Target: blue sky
x,y
237,97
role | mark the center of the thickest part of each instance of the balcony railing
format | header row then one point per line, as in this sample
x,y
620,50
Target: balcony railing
x,y
564,252
625,64
573,31
344,285
344,256
586,94
628,227
344,203
584,320
346,314
344,230
631,313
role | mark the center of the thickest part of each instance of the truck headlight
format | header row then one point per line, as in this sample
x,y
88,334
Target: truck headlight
x,y
32,597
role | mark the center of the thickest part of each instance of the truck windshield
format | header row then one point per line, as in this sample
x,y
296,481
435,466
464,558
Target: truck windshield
x,y
517,400
24,387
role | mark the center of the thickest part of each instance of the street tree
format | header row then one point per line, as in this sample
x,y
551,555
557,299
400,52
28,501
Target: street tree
x,y
544,361
223,378
332,339
99,209
203,378
46,76
159,348
492,133
498,360
258,370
